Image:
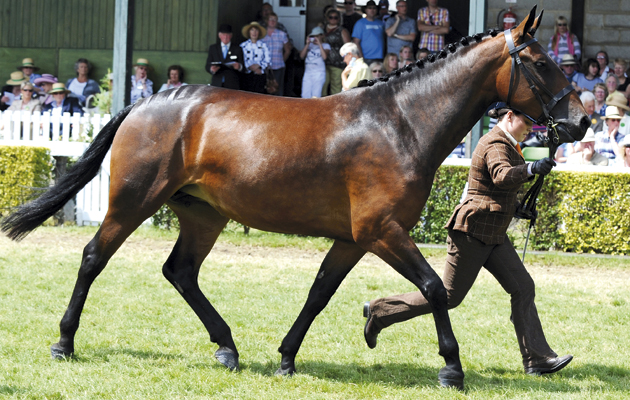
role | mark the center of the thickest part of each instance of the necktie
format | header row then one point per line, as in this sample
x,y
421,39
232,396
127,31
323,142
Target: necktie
x,y
518,148
225,49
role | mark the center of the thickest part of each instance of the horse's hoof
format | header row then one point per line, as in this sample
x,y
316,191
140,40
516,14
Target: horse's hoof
x,y
59,353
450,378
285,371
227,357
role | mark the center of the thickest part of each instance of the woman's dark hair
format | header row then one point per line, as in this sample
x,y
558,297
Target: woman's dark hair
x,y
179,70
82,61
588,63
498,113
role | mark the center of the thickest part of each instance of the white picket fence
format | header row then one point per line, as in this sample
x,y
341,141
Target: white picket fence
x,y
64,135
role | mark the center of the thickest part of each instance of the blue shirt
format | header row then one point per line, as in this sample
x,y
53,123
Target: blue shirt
x,y
371,35
580,80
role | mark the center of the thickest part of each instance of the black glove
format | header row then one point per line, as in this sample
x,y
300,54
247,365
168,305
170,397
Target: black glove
x,y
543,166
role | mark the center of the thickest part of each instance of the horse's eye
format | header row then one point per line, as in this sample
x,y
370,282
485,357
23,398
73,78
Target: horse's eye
x,y
539,64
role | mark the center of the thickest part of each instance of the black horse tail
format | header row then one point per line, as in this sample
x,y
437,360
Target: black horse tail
x,y
31,215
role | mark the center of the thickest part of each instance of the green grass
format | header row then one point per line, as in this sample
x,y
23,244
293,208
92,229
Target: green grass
x,y
139,340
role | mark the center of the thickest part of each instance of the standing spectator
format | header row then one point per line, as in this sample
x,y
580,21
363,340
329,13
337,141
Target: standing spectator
x,y
377,69
391,62
620,71
81,86
175,75
607,140
315,53
400,29
263,15
62,103
12,90
45,82
624,160
368,34
336,36
279,48
600,92
586,81
604,69
356,69
588,155
225,60
567,65
433,24
28,68
257,58
383,10
141,85
350,17
563,42
26,103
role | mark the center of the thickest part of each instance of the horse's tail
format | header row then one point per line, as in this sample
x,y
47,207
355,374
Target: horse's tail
x,y
31,215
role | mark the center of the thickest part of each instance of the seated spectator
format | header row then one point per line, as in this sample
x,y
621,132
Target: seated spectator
x,y
422,53
279,49
604,69
175,75
315,53
26,103
390,62
404,54
141,85
368,34
377,69
588,155
607,140
225,60
620,71
612,83
586,81
400,29
356,70
336,36
619,100
45,82
588,101
62,103
28,68
257,58
601,92
563,42
81,86
12,91
624,161
568,65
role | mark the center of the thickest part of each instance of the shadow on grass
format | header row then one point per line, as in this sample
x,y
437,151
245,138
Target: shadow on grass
x,y
105,354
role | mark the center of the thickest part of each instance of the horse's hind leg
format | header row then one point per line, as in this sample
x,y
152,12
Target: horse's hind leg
x,y
200,225
339,261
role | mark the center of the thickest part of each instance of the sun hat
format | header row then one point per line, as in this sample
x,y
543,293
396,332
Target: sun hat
x,y
28,63
316,31
17,78
617,99
370,3
261,29
612,113
58,87
142,62
589,137
568,59
46,78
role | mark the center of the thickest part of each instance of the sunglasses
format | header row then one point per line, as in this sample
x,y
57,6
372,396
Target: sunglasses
x,y
27,90
562,24
348,3
601,57
333,17
376,71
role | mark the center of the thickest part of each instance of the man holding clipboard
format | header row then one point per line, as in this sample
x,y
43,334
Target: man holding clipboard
x,y
225,60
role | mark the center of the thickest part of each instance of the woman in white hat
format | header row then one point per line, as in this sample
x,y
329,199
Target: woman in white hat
x,y
257,57
315,53
26,103
607,140
141,85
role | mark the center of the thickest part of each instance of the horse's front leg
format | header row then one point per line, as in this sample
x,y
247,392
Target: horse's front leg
x,y
340,260
396,248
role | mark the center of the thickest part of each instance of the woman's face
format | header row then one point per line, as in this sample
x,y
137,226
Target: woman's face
x,y
333,18
600,94
46,86
518,126
601,59
619,70
27,71
377,71
593,70
613,124
27,94
611,84
173,75
589,106
141,72
272,22
253,34
82,69
405,53
392,63
562,26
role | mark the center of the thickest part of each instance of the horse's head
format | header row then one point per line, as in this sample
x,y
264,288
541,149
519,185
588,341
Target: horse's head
x,y
532,82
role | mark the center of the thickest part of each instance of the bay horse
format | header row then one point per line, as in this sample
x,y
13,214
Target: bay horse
x,y
356,167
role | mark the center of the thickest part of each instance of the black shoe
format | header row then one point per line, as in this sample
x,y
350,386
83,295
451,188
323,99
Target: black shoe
x,y
369,331
550,366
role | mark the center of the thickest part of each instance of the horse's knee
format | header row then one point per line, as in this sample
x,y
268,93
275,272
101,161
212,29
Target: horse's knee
x,y
434,291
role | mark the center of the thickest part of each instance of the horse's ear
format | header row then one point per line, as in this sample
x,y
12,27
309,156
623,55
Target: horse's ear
x,y
531,19
534,28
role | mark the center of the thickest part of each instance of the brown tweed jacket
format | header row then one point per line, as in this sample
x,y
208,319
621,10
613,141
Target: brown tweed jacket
x,y
497,172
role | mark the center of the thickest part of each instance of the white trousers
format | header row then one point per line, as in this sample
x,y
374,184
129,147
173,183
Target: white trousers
x,y
313,82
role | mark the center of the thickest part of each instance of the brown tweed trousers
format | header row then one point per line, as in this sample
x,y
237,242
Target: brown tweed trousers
x,y
477,238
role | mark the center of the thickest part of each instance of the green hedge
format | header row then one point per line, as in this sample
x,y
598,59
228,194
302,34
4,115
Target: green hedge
x,y
22,169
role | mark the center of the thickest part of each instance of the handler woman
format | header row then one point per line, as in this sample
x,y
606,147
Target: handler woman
x,y
477,238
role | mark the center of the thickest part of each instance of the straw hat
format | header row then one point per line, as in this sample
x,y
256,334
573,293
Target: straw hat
x,y
28,62
612,113
589,137
617,99
17,78
142,62
568,59
58,87
261,29
46,78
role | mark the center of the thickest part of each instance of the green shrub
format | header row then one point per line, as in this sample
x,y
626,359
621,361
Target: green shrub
x,y
22,169
165,218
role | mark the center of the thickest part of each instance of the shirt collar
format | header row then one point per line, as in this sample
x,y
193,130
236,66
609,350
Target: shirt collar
x,y
510,137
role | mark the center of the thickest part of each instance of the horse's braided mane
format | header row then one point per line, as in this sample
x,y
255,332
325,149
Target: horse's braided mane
x,y
431,58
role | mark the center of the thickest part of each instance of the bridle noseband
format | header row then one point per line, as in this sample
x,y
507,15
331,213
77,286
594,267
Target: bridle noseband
x,y
534,84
